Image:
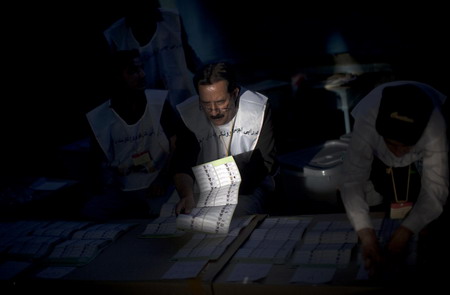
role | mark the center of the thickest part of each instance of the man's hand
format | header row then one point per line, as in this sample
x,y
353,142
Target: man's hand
x,y
185,205
399,241
371,251
397,248
185,187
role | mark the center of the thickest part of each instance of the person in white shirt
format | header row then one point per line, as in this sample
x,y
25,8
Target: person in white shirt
x,y
223,120
133,140
159,35
399,124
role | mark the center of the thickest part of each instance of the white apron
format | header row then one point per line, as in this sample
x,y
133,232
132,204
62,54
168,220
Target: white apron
x,y
246,130
163,57
123,143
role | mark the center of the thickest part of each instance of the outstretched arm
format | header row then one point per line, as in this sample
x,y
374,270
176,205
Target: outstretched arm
x,y
184,184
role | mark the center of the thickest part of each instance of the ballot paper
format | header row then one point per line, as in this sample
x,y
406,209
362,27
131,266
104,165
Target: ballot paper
x,y
273,241
326,243
185,269
212,246
313,275
218,189
165,225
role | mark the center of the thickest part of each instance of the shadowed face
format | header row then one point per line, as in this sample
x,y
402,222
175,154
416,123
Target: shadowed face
x,y
217,103
134,75
397,148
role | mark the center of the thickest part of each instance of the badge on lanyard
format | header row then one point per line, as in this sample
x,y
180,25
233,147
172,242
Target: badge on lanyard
x,y
143,159
400,210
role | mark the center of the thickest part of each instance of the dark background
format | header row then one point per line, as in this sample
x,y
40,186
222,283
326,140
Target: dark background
x,y
53,56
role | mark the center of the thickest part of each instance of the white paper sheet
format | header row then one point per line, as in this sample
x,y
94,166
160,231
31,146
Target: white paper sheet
x,y
218,183
313,275
185,269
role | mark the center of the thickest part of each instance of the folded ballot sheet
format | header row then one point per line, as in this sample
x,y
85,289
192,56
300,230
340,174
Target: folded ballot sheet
x,y
218,189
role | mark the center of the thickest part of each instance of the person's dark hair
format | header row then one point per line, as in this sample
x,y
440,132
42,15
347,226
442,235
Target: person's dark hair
x,y
403,114
215,72
138,12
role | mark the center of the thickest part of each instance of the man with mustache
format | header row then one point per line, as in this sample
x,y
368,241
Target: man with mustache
x,y
223,120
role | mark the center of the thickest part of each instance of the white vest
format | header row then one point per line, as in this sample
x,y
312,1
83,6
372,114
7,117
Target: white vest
x,y
163,57
246,131
120,141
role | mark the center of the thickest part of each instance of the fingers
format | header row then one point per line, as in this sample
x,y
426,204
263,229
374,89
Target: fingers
x,y
179,208
187,208
372,258
183,207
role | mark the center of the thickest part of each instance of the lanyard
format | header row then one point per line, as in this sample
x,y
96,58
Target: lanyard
x,y
391,171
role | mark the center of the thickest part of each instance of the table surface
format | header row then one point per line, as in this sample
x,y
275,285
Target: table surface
x,y
136,265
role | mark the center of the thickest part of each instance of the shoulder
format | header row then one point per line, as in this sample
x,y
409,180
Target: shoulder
x,y
253,97
170,17
156,96
188,104
115,26
105,106
436,130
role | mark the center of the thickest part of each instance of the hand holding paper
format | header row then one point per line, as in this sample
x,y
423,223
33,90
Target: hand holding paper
x,y
218,183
